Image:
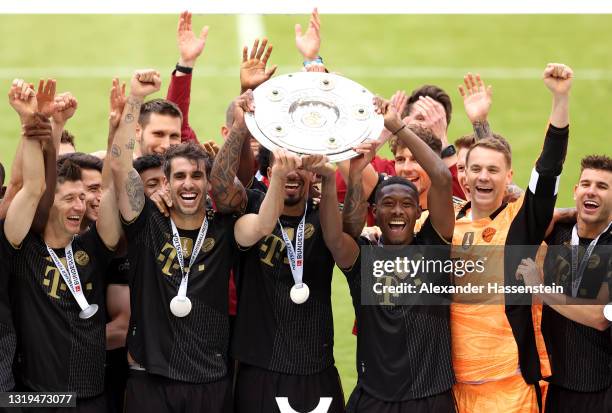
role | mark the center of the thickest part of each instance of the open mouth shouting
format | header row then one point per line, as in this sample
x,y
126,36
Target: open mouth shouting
x,y
484,190
397,225
292,188
188,198
590,206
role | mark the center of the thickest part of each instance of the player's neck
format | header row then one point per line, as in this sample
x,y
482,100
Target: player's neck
x,y
56,237
423,200
188,222
479,212
590,230
296,210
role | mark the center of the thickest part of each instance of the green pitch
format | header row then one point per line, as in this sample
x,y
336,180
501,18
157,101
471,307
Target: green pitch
x,y
384,53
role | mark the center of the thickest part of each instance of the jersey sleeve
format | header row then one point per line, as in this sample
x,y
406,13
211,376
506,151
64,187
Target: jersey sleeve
x,y
94,245
179,93
533,217
134,228
254,200
428,235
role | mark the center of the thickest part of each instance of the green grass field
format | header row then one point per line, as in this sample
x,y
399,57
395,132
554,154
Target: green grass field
x,y
384,53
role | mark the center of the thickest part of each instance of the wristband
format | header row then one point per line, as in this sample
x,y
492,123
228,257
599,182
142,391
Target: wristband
x,y
448,151
318,60
184,69
399,130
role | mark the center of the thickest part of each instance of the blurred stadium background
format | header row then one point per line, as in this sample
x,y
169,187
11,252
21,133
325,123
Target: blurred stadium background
x,y
383,52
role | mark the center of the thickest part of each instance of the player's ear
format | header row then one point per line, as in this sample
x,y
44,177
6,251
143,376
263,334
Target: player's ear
x,y
269,172
575,188
225,131
419,212
509,176
138,133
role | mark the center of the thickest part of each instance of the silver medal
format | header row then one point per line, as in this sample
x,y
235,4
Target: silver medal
x,y
88,311
180,306
299,293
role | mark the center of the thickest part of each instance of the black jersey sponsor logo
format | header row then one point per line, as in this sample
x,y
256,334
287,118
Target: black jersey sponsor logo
x,y
53,281
209,244
273,248
309,231
81,258
468,240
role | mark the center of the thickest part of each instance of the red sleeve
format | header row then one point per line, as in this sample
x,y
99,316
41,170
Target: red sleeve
x,y
457,191
179,93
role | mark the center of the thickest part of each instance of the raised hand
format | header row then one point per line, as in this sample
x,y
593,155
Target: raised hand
x,y
391,117
285,162
399,101
211,148
477,98
253,68
433,117
190,47
366,151
309,43
243,104
65,107
22,98
558,78
46,97
318,164
145,82
117,103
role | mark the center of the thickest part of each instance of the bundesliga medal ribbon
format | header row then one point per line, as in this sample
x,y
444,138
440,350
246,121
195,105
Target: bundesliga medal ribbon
x,y
180,305
578,271
72,280
299,292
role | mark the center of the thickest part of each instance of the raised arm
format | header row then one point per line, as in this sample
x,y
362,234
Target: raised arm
x,y
108,223
227,191
558,79
190,48
355,207
440,195
250,228
128,185
342,246
65,107
21,212
477,100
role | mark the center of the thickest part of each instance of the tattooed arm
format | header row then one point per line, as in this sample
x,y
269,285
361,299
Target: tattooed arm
x,y
128,185
355,202
227,191
477,100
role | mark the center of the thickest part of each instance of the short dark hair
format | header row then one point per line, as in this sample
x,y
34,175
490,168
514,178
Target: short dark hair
x,y
159,106
188,150
426,136
148,162
465,142
599,162
264,158
496,143
395,180
68,171
436,93
82,160
67,138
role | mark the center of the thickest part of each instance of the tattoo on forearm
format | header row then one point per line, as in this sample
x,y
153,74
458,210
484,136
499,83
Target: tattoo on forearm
x,y
228,194
482,130
355,209
129,118
134,104
115,151
130,145
135,191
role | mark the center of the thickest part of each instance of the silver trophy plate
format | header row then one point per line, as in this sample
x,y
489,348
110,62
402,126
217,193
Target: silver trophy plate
x,y
314,113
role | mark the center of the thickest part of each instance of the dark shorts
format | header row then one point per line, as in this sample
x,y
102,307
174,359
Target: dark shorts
x,y
561,400
149,393
115,379
257,390
362,402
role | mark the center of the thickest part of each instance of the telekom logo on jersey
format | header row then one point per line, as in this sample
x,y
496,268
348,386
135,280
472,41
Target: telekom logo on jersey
x,y
322,407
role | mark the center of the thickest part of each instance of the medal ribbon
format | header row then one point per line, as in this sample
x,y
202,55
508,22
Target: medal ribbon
x,y
176,241
296,256
578,270
70,274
